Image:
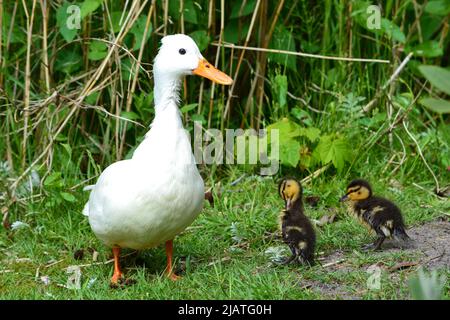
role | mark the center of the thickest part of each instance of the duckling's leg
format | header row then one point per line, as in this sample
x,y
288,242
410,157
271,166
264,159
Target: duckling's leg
x,y
294,255
117,275
376,245
169,253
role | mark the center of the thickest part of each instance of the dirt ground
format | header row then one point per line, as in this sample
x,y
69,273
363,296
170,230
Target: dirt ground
x,y
430,245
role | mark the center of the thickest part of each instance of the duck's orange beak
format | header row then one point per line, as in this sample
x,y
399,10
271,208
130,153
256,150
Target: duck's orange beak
x,y
208,71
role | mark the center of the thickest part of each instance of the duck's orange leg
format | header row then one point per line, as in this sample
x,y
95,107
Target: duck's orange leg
x,y
117,275
169,269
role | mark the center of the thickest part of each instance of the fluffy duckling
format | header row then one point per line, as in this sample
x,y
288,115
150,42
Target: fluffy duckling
x,y
296,229
378,214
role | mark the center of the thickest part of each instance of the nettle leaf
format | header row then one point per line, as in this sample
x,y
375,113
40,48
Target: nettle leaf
x,y
283,40
335,150
290,153
439,77
201,38
438,7
311,133
138,30
89,6
436,105
242,8
428,49
97,50
62,19
287,129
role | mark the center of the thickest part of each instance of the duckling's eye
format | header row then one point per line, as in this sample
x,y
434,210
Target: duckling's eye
x,y
182,51
359,192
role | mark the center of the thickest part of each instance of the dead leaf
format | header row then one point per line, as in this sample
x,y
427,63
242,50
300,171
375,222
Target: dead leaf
x,y
5,220
210,198
326,219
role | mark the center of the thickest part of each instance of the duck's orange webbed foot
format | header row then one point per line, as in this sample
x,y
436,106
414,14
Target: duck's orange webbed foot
x,y
169,269
117,275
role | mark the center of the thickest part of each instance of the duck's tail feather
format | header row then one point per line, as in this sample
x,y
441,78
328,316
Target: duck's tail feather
x,y
401,235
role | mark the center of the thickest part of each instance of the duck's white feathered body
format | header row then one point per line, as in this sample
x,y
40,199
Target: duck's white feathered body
x,y
149,199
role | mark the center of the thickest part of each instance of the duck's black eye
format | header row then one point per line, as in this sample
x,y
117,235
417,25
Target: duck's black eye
x,y
182,51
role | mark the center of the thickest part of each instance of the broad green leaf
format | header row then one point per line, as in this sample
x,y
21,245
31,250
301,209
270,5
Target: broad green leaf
x,y
199,118
89,6
333,150
438,7
115,20
188,107
234,32
428,49
130,115
439,77
242,8
68,61
201,38
97,50
392,30
52,179
311,133
189,11
92,98
138,30
436,105
68,197
290,153
62,19
287,129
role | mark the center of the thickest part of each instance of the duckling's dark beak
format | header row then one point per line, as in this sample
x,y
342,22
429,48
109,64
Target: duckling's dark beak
x,y
343,198
207,70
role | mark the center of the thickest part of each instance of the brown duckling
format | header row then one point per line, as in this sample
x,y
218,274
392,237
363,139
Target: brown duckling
x,y
378,214
296,229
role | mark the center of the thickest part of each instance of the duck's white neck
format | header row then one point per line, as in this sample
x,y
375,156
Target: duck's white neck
x,y
166,90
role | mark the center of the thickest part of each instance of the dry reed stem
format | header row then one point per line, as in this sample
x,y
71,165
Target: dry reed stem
x,y
241,57
297,53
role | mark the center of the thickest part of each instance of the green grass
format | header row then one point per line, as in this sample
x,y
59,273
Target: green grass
x,y
216,260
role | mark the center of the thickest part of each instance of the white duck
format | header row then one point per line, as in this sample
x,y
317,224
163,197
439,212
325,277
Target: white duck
x,y
147,200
